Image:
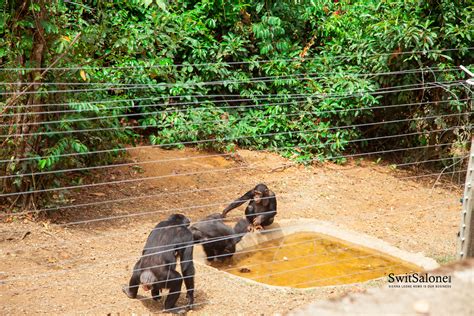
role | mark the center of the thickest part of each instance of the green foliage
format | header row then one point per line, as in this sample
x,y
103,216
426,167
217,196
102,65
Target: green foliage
x,y
142,67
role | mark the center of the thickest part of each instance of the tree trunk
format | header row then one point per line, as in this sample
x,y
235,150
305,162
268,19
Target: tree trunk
x,y
26,146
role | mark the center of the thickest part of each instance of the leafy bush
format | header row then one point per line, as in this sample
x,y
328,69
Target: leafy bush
x,y
302,78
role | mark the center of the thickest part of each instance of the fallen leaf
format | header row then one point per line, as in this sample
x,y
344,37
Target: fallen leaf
x,y
98,194
83,75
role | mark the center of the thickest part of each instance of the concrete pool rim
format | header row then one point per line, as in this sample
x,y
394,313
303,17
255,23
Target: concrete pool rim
x,y
289,226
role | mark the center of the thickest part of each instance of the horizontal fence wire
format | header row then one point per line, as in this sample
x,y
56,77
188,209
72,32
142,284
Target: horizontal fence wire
x,y
293,101
162,176
181,246
152,212
232,63
140,147
217,96
244,137
310,75
321,95
162,194
145,126
131,86
290,285
270,149
95,220
178,247
182,143
250,62
217,204
206,189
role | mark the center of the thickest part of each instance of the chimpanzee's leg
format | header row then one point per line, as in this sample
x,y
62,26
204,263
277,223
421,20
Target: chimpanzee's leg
x,y
174,283
155,292
132,289
268,221
249,213
209,250
261,221
187,267
216,255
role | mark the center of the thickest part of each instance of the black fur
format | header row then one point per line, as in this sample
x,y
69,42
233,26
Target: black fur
x,y
156,269
258,212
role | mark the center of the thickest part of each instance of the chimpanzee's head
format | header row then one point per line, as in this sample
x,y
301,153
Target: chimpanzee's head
x,y
260,191
179,219
228,252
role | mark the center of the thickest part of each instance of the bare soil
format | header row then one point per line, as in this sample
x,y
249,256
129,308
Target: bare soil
x,y
60,266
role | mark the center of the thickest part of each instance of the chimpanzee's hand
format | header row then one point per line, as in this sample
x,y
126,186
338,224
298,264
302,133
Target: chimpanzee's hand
x,y
126,290
257,221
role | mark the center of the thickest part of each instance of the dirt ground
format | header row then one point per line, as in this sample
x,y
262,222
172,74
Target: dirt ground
x,y
63,266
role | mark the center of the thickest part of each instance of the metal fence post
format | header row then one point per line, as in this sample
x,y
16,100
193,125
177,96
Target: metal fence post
x,y
466,229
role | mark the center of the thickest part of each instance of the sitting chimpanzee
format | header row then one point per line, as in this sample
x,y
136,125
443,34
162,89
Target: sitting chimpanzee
x,y
156,268
218,240
262,208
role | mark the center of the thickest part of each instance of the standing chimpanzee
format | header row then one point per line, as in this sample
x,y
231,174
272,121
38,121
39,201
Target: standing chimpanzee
x,y
218,240
262,208
156,268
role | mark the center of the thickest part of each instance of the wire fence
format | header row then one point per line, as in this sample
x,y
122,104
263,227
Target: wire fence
x,y
30,275
112,86
249,80
423,87
237,177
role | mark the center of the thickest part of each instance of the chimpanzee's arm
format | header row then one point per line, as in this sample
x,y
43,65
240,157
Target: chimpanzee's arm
x,y
244,198
197,233
240,229
272,206
132,288
187,268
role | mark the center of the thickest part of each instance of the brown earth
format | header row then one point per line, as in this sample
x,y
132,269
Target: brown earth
x,y
59,266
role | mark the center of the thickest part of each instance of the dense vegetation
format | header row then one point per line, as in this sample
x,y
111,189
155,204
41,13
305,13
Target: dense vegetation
x,y
293,76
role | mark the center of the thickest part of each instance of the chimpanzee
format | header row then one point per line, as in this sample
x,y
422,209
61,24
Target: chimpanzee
x,y
262,208
218,240
240,229
156,268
